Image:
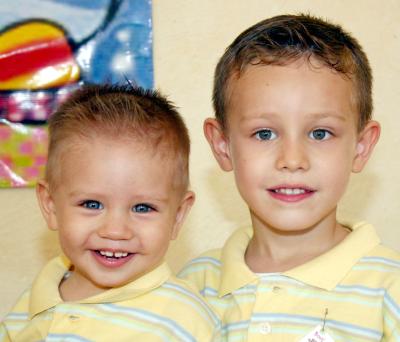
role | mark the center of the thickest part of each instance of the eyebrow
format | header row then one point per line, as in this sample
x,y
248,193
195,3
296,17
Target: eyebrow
x,y
137,199
339,116
315,115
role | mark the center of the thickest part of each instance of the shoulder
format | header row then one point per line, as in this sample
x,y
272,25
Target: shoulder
x,y
18,317
382,258
383,267
21,308
186,293
383,264
379,271
205,261
385,252
183,304
204,269
374,263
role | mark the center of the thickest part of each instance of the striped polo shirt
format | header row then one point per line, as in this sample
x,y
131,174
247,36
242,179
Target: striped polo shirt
x,y
350,293
156,307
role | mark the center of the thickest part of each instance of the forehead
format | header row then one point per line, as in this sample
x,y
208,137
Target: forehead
x,y
129,148
116,168
298,87
76,154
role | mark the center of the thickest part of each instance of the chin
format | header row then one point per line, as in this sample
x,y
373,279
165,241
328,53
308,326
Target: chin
x,y
290,225
109,284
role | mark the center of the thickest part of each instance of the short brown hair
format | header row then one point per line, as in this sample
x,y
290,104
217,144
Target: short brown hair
x,y
121,111
283,39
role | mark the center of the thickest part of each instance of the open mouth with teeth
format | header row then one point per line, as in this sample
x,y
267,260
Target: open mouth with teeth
x,y
289,191
291,194
111,259
113,255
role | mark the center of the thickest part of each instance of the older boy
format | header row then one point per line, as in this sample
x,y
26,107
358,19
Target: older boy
x,y
292,97
116,190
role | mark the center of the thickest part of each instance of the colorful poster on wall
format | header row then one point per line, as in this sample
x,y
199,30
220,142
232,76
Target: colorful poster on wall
x,y
48,48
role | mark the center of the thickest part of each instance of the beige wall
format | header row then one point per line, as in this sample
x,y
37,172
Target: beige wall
x,y
189,36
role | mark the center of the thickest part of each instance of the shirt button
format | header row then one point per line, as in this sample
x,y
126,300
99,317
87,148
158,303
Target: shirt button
x,y
73,318
265,328
276,289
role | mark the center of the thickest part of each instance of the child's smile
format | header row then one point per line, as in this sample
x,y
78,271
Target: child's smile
x,y
291,193
112,259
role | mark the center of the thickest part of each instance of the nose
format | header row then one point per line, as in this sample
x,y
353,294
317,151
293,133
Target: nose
x,y
292,156
115,227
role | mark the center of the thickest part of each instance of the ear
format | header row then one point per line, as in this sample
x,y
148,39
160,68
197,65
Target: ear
x,y
367,140
218,143
184,208
46,204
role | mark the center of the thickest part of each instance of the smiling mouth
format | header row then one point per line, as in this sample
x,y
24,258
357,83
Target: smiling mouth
x,y
112,255
290,191
291,194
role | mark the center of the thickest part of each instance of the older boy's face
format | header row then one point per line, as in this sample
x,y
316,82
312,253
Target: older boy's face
x,y
292,142
115,210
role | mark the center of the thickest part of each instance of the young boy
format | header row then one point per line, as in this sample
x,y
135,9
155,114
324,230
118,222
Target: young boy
x,y
116,190
292,97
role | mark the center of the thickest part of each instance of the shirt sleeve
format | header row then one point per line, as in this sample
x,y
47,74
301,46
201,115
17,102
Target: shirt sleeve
x,y
16,320
391,313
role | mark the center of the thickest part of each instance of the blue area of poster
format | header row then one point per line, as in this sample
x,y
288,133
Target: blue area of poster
x,y
48,48
111,39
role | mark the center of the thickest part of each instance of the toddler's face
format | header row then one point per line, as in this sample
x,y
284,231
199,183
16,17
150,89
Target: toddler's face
x,y
292,142
116,210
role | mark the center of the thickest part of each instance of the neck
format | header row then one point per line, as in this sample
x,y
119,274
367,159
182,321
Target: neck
x,y
75,288
274,250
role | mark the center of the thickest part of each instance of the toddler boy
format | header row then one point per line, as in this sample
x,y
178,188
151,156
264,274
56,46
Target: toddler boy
x,y
116,190
292,98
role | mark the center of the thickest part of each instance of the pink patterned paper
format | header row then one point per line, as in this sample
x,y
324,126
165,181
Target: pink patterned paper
x,y
23,151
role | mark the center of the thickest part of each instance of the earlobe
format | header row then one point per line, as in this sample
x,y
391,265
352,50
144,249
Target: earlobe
x,y
367,140
218,143
46,204
183,210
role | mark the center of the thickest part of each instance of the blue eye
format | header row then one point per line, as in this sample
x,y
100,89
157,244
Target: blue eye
x,y
320,134
94,205
265,134
142,208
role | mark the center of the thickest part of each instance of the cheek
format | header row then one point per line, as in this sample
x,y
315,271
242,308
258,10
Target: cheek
x,y
73,231
70,238
250,176
251,164
336,171
339,159
155,238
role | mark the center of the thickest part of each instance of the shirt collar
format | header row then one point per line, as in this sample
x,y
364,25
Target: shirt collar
x,y
325,271
328,270
45,294
235,273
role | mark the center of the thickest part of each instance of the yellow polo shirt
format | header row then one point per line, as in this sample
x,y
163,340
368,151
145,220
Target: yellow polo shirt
x,y
351,291
156,307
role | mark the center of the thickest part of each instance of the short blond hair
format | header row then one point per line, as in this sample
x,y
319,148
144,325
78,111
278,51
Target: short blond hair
x,y
285,38
120,111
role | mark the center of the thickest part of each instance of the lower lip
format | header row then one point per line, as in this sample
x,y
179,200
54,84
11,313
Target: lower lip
x,y
291,198
111,262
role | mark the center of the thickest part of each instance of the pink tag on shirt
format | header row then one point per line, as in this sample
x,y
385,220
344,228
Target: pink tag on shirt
x,y
317,335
